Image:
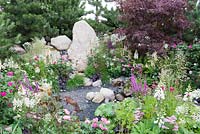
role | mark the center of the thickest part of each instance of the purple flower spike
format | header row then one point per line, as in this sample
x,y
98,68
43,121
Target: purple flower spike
x,y
137,87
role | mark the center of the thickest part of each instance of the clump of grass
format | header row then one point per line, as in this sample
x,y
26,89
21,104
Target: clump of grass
x,y
90,71
76,81
37,47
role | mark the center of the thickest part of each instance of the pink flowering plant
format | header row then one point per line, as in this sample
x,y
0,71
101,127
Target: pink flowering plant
x,y
96,126
7,90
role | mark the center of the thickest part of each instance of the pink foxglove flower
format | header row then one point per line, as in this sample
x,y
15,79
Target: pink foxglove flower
x,y
175,127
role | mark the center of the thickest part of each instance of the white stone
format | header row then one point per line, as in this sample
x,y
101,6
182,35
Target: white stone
x,y
87,82
108,94
97,83
90,95
98,98
84,41
61,42
17,49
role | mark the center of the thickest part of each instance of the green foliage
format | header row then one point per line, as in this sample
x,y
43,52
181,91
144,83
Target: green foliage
x,y
192,57
36,48
125,113
41,18
62,14
75,82
120,113
193,34
111,61
146,127
111,18
6,40
98,61
149,105
106,110
89,71
28,18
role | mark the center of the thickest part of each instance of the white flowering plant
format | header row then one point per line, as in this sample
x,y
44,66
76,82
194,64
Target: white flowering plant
x,y
35,107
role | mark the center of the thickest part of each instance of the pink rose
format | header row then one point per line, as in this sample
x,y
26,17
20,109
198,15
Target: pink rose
x,y
67,117
66,111
190,46
102,127
163,88
10,84
174,45
87,121
36,58
94,125
95,120
105,121
10,91
171,89
10,74
3,94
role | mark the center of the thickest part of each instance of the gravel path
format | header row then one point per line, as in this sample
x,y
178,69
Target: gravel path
x,y
87,107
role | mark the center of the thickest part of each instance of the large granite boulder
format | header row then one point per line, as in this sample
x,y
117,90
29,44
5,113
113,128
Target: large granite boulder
x,y
61,42
108,94
84,41
98,98
90,95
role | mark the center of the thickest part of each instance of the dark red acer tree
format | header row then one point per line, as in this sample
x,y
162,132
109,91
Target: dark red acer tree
x,y
152,23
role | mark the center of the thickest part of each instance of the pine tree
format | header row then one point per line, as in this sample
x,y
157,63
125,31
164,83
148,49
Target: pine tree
x,y
98,8
110,20
62,14
6,41
28,17
40,18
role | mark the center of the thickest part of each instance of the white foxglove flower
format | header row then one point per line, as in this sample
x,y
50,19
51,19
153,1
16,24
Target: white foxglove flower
x,y
190,72
17,103
29,102
196,117
182,109
154,55
197,4
136,56
166,46
159,94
